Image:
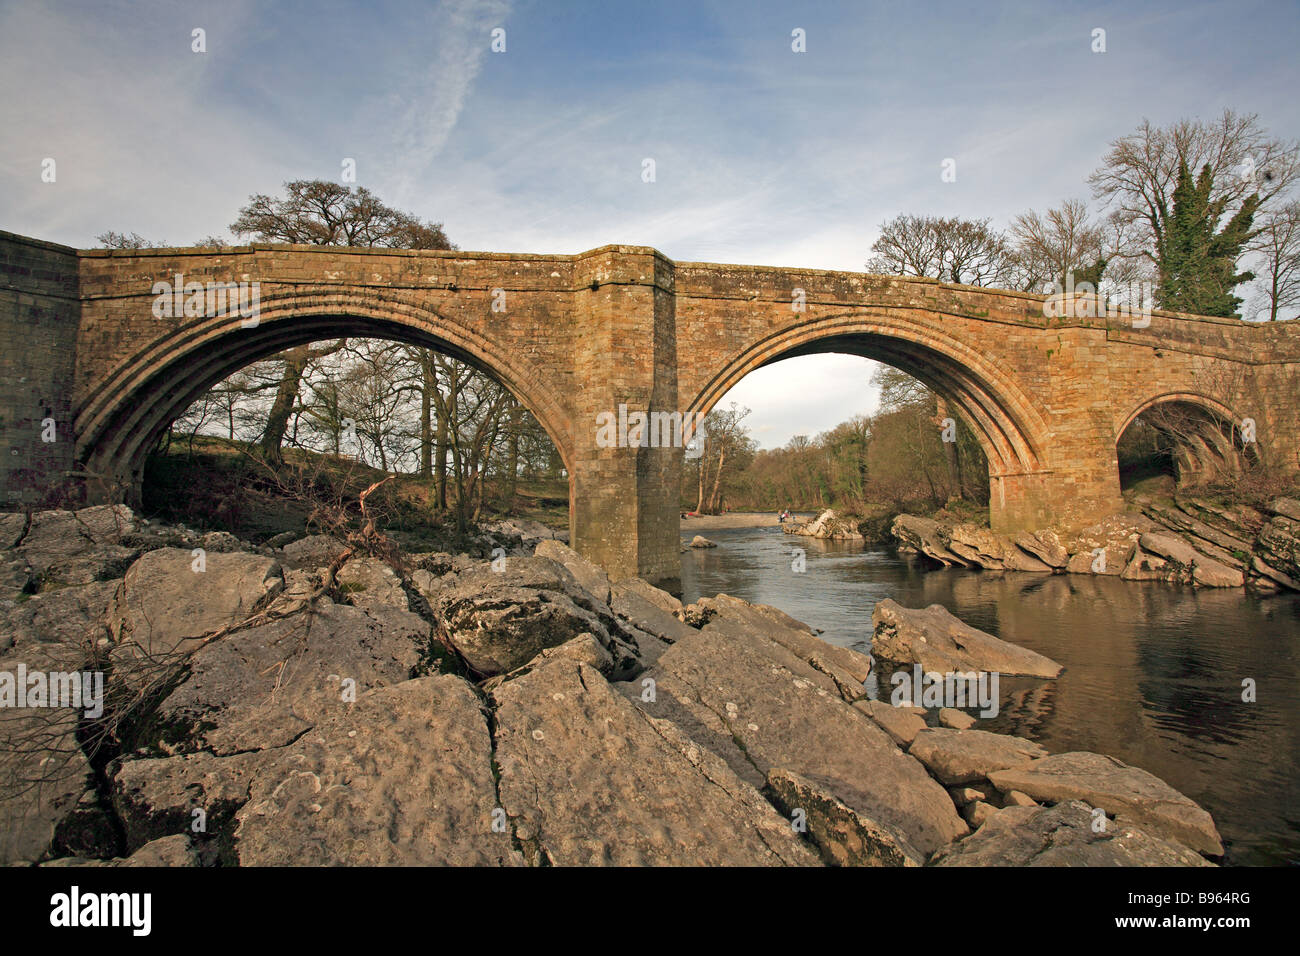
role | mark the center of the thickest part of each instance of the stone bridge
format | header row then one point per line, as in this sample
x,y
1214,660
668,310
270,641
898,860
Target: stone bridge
x,y
91,375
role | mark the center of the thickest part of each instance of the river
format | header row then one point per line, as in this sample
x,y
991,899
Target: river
x,y
1153,672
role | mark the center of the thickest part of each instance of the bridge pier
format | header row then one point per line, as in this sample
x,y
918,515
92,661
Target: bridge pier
x,y
624,513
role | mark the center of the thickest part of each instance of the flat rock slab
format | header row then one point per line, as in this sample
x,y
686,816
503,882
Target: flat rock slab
x,y
780,712
901,723
1062,835
165,604
264,686
587,779
940,642
969,756
845,666
1126,792
403,778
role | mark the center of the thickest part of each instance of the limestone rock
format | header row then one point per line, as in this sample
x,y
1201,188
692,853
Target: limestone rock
x,y
72,616
1186,564
586,573
1118,789
1278,549
369,582
167,851
845,666
762,704
969,756
656,596
940,642
991,551
1061,836
640,613
927,537
13,524
844,836
500,621
402,778
586,779
1045,545
313,551
901,723
956,719
1115,536
264,686
827,525
165,606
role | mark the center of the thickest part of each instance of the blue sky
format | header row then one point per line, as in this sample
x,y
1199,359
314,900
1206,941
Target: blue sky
x,y
762,155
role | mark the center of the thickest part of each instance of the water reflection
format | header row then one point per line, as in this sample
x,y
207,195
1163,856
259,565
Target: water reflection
x,y
1153,672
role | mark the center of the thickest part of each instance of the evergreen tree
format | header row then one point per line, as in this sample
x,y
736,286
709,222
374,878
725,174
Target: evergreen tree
x,y
1197,261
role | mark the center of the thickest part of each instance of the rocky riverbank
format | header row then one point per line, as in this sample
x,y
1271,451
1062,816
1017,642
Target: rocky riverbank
x,y
1190,542
313,703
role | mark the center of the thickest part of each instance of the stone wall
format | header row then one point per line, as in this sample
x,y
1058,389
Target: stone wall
x,y
39,314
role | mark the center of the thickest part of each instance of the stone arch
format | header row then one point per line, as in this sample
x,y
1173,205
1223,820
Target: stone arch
x,y
1204,433
1003,419
124,414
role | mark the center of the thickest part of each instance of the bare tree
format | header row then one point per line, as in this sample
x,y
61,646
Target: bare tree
x,y
1278,244
965,251
1061,242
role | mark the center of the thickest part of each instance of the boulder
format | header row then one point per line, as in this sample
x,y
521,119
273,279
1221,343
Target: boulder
x,y
78,547
656,596
844,836
165,605
629,605
848,668
827,525
968,756
1185,564
991,551
1123,791
927,537
940,642
1044,545
760,705
1115,536
586,779
956,719
498,621
402,778
369,582
590,576
262,687
1062,835
43,775
313,551
699,541
167,851
72,616
13,525
1277,551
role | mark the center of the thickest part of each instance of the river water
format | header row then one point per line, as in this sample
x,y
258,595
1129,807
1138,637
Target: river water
x,y
1153,672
